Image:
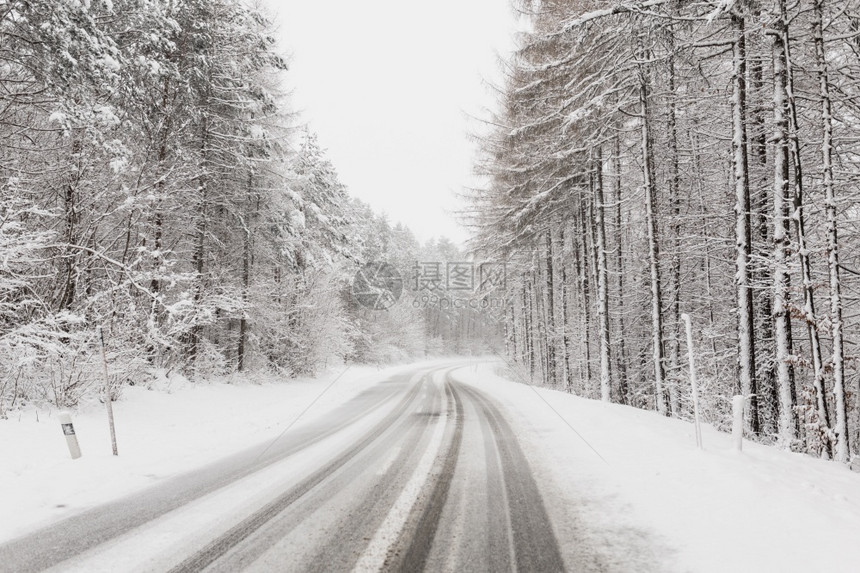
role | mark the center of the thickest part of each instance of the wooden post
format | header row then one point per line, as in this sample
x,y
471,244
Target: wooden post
x,y
686,318
107,398
738,421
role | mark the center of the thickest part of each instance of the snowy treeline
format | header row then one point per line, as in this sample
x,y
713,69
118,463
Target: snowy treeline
x,y
151,183
660,157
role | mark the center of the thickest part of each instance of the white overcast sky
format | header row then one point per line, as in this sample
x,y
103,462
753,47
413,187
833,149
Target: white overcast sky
x,y
389,85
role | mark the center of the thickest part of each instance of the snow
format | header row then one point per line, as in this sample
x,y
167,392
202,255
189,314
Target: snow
x,y
105,116
613,476
57,117
110,63
161,432
714,510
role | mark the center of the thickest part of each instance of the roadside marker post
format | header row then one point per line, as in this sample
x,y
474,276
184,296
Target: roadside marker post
x,y
69,431
738,422
107,398
686,318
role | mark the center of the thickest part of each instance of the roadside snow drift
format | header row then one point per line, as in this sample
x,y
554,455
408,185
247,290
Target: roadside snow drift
x,y
634,479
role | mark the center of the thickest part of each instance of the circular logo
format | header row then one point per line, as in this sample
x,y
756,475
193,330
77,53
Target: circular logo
x,y
377,286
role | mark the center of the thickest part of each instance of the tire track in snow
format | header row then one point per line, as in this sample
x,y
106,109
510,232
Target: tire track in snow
x,y
234,536
535,546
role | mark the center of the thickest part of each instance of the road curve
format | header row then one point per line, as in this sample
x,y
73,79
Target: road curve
x,y
420,473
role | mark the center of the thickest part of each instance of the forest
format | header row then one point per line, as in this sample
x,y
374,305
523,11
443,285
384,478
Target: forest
x,y
155,185
645,160
666,157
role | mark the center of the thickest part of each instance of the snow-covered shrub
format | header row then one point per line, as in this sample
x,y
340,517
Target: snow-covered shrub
x,y
210,361
303,325
389,335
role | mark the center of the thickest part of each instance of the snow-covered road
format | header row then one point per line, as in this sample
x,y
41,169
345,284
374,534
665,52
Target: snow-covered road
x,y
419,472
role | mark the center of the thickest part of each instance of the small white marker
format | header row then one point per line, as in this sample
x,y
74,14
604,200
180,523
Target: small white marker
x,y
69,431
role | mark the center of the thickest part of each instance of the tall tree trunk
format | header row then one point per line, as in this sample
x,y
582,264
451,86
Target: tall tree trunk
x,y
842,447
154,350
703,210
653,248
552,330
157,215
511,337
526,357
246,272
559,324
565,309
530,328
71,233
199,253
602,288
540,281
760,278
585,293
743,232
787,422
798,215
621,357
675,259
581,303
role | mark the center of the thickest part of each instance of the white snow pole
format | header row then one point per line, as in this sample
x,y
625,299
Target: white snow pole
x,y
108,404
738,422
69,431
686,318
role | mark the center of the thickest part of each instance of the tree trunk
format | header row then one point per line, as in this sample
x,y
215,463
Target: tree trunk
x,y
565,309
157,215
619,271
539,281
199,253
585,292
706,258
602,288
581,302
823,416
760,279
246,273
530,328
653,249
787,422
552,329
675,259
71,212
559,324
743,233
842,447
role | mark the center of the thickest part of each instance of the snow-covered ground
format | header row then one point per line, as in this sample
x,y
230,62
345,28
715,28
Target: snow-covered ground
x,y
646,487
715,510
173,427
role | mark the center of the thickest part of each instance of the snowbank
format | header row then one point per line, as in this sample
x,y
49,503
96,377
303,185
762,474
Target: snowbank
x,y
706,511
